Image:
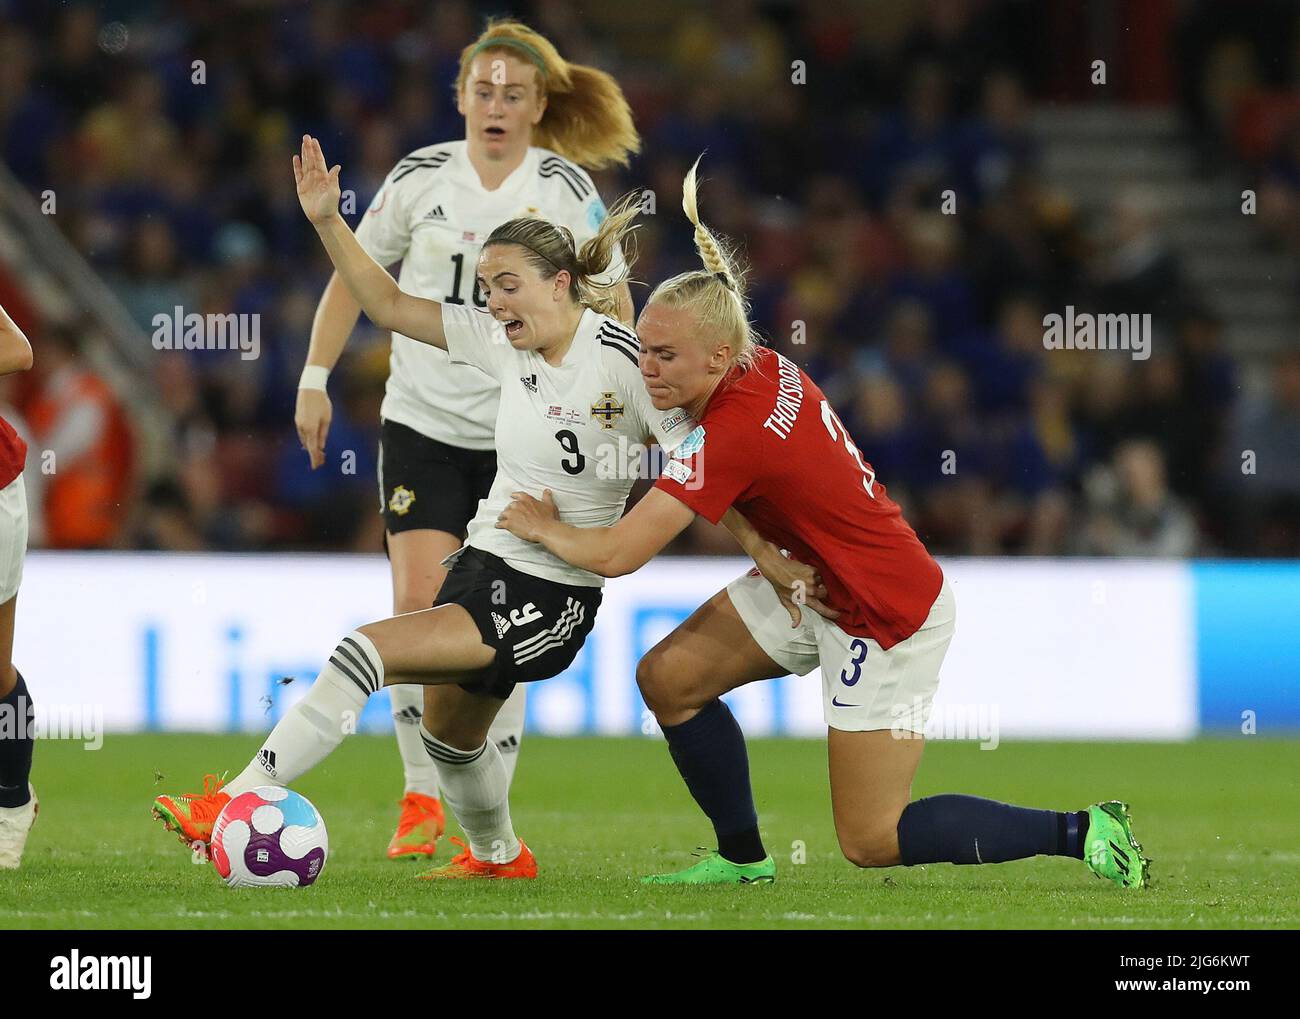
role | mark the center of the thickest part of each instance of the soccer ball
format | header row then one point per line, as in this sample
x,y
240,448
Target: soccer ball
x,y
269,837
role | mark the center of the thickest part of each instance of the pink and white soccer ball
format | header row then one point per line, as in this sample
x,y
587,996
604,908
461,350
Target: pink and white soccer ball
x,y
269,837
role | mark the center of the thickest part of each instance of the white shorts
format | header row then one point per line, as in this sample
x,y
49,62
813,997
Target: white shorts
x,y
13,537
864,687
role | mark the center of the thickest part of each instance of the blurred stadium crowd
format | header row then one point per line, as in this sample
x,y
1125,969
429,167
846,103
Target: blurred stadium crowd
x,y
924,329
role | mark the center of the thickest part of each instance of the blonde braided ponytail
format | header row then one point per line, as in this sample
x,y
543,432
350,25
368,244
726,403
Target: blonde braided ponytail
x,y
716,294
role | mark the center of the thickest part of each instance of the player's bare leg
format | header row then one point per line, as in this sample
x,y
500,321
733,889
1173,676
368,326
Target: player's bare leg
x,y
18,804
682,679
435,646
871,785
416,560
475,784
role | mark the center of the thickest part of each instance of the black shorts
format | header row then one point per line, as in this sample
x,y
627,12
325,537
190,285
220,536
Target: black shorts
x,y
428,485
537,627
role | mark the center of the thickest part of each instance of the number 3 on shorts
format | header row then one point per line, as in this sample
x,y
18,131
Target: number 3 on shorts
x,y
859,649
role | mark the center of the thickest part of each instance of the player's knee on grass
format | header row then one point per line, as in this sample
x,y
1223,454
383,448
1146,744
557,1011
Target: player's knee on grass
x,y
871,847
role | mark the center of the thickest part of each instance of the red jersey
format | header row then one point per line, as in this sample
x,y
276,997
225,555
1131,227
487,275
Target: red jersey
x,y
769,443
13,454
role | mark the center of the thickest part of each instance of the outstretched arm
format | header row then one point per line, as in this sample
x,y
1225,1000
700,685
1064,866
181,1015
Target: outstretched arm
x,y
623,547
386,304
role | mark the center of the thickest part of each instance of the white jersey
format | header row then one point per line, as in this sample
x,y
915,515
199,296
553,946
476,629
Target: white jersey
x,y
579,429
433,215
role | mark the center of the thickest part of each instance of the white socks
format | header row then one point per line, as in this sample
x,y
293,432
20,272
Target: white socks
x,y
408,709
507,733
476,788
507,730
312,728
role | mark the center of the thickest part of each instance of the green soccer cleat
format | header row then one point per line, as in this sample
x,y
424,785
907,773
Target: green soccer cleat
x,y
1111,851
713,869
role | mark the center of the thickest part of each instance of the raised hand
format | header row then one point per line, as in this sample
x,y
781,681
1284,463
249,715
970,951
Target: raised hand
x,y
318,187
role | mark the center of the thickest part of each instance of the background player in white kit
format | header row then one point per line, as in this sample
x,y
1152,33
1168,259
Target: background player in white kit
x,y
526,109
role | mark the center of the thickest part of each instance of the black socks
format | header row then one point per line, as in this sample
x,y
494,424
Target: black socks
x,y
16,741
967,829
709,751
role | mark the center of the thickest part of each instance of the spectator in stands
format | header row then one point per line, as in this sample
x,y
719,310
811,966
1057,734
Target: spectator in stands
x,y
1133,511
1134,270
1262,463
81,430
923,328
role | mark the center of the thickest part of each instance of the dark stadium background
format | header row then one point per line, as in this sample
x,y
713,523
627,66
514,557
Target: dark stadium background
x,y
1123,536
924,329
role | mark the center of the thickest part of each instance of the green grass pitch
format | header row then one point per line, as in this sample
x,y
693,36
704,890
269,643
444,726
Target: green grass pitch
x,y
1220,818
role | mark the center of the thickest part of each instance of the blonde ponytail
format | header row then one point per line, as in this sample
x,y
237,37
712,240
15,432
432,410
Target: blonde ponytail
x,y
715,294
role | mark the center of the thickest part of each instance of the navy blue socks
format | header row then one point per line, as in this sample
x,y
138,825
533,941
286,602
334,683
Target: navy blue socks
x,y
15,745
967,829
709,751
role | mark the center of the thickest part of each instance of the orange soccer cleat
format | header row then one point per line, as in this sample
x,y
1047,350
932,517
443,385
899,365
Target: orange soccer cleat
x,y
465,866
192,815
419,827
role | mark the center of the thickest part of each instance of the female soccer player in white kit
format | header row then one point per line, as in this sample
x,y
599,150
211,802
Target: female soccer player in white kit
x,y
532,120
572,420
18,803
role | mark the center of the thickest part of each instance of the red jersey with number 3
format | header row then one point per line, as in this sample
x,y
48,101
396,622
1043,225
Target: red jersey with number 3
x,y
770,444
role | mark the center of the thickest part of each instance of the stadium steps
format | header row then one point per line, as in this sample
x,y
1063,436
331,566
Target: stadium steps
x,y
66,289
1091,152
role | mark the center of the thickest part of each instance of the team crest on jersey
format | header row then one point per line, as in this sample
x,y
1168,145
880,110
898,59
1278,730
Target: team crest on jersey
x,y
690,445
400,501
530,382
607,410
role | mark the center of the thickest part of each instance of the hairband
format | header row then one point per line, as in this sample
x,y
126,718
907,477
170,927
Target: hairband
x,y
518,44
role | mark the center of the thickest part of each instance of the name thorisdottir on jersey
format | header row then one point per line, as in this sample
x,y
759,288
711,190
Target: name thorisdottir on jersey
x,y
578,429
433,215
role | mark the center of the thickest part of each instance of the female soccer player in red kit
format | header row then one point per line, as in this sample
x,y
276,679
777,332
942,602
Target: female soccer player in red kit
x,y
768,442
17,797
